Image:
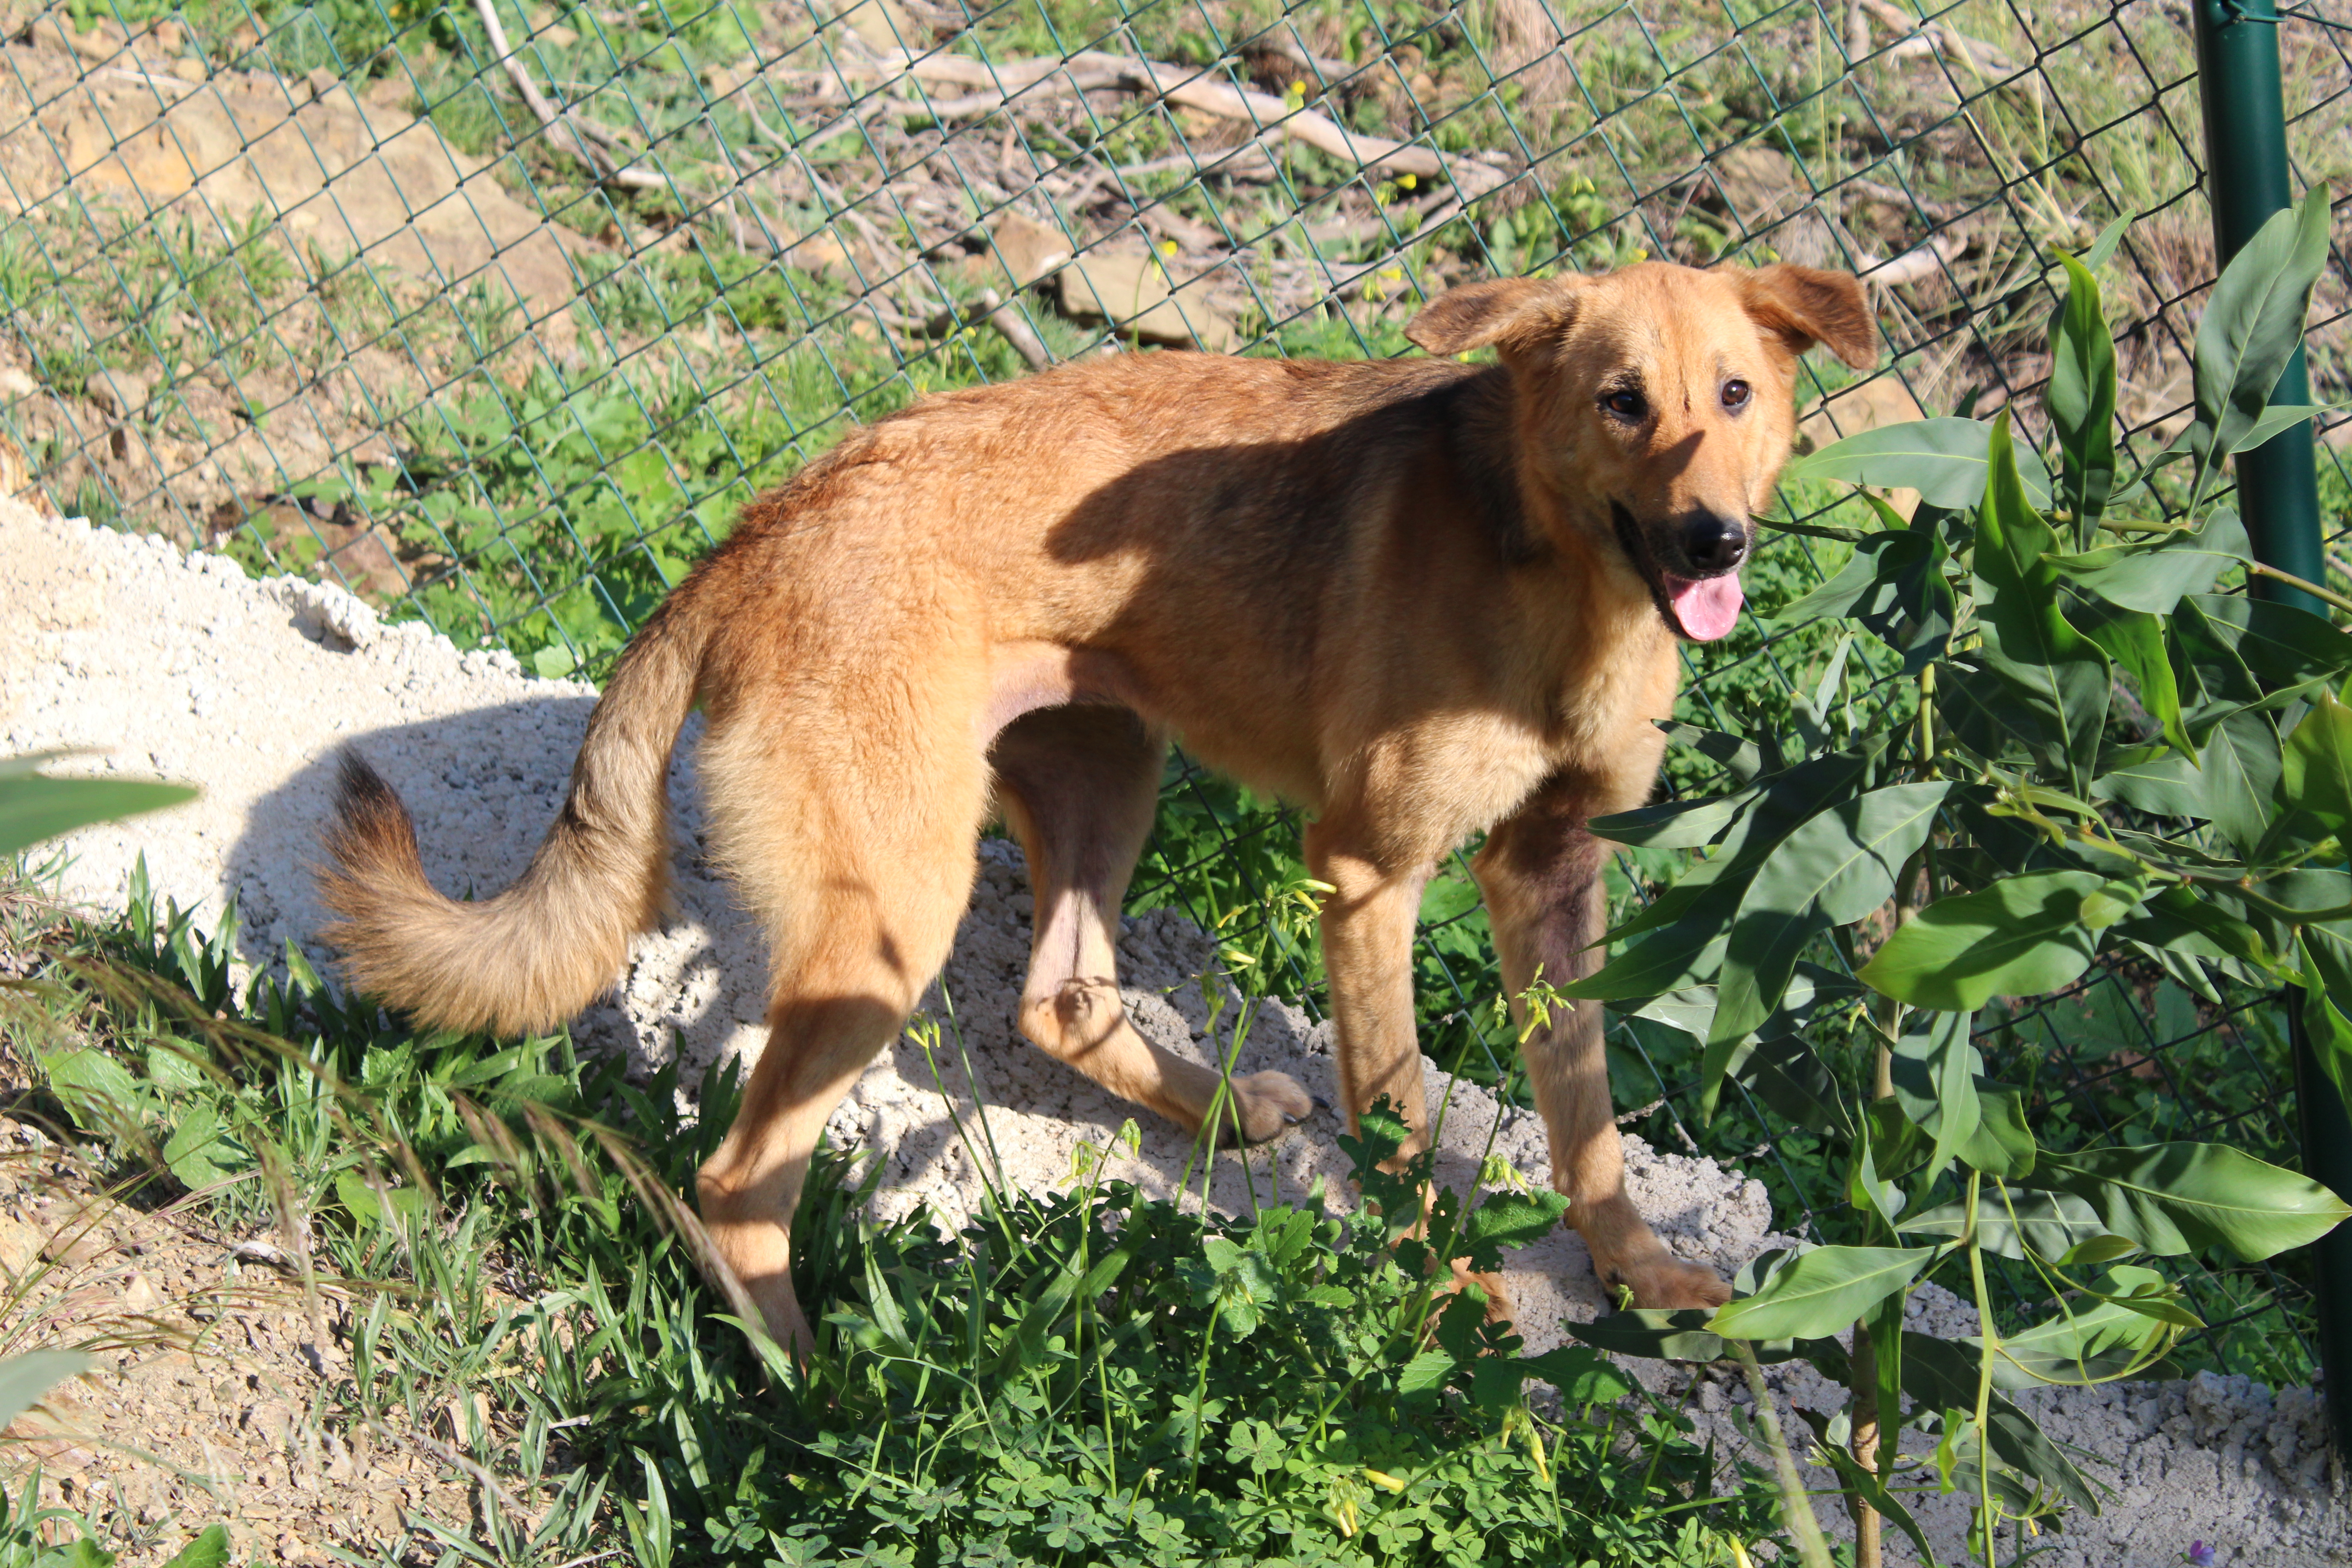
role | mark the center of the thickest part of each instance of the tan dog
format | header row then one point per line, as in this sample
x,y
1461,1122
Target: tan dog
x,y
1418,597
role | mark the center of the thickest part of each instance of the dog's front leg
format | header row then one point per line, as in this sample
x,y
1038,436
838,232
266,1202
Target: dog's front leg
x,y
1540,873
1368,919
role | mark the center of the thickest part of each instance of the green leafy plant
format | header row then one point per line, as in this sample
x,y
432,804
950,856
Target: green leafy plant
x,y
2089,757
1094,1375
34,807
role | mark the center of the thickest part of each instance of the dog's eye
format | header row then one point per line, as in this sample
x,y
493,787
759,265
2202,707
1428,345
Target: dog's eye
x,y
1626,404
1735,394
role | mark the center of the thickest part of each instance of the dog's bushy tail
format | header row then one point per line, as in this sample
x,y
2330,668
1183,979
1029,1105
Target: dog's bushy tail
x,y
543,949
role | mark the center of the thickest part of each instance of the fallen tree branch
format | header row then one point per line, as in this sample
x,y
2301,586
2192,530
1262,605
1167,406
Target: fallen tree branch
x,y
1921,262
1918,38
561,125
1198,89
1013,329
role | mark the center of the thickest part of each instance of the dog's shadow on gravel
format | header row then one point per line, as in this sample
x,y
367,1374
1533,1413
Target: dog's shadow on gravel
x,y
483,787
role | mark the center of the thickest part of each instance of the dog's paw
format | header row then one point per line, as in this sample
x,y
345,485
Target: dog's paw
x,y
1665,1281
1269,1104
1497,1294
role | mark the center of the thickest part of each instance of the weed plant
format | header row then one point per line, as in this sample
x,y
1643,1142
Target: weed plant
x,y
1090,1375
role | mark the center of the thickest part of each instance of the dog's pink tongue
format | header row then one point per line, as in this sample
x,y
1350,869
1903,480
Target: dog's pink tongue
x,y
1708,607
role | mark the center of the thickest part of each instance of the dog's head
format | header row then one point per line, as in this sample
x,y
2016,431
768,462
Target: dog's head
x,y
1652,405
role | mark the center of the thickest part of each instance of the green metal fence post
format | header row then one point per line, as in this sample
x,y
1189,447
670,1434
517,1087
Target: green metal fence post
x,y
2247,180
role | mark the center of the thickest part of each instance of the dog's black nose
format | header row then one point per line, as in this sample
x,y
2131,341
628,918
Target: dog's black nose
x,y
1714,545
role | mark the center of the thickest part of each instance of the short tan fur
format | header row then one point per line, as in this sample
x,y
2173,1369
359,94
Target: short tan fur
x,y
1421,598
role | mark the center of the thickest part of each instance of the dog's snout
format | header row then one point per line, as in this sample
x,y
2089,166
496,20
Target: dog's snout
x,y
1714,545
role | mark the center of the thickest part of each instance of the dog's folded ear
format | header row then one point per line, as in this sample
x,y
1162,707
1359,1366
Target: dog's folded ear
x,y
1803,306
1505,310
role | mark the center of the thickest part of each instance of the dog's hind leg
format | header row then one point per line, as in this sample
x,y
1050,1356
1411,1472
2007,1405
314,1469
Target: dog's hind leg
x,y
861,887
1540,872
1078,786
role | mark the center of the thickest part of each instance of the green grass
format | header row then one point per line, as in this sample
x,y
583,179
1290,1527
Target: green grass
x,y
1083,1376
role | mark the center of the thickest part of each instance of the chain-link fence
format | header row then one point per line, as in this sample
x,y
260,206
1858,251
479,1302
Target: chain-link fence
x,y
495,315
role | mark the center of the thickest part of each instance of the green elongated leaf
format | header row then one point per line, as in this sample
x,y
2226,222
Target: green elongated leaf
x,y
1864,1188
2178,921
2276,418
2199,441
1673,824
2004,1146
1861,582
1820,1292
2166,784
1947,1067
33,808
1700,906
2081,397
2026,636
1787,1075
2152,578
1689,1010
2092,1344
2283,646
25,1378
2051,1223
2316,769
1744,760
1678,957
2324,1022
2239,769
1999,1145
2021,937
1944,459
1942,1375
1659,1335
1682,1335
1974,706
2326,960
1833,869
2254,322
2171,1198
2134,640
2103,248
2212,679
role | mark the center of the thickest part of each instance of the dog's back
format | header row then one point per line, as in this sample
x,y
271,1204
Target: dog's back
x,y
1224,536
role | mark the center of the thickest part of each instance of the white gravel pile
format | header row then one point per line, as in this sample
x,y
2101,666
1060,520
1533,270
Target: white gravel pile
x,y
179,666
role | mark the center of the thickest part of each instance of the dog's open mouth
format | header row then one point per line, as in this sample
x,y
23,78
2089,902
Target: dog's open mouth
x,y
1699,608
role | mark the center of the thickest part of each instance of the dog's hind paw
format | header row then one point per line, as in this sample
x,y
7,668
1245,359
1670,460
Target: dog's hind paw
x,y
1268,1104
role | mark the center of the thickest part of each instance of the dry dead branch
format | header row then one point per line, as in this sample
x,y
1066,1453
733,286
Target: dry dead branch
x,y
590,144
998,85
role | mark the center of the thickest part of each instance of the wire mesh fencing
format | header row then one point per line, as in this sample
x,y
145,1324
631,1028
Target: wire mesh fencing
x,y
495,314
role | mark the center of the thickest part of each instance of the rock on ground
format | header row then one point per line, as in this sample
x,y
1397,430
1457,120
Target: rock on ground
x,y
179,666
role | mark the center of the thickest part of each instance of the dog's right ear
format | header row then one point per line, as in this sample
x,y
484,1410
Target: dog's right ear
x,y
1504,311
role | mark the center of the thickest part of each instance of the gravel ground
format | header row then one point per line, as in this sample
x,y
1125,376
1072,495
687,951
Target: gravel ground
x,y
180,666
